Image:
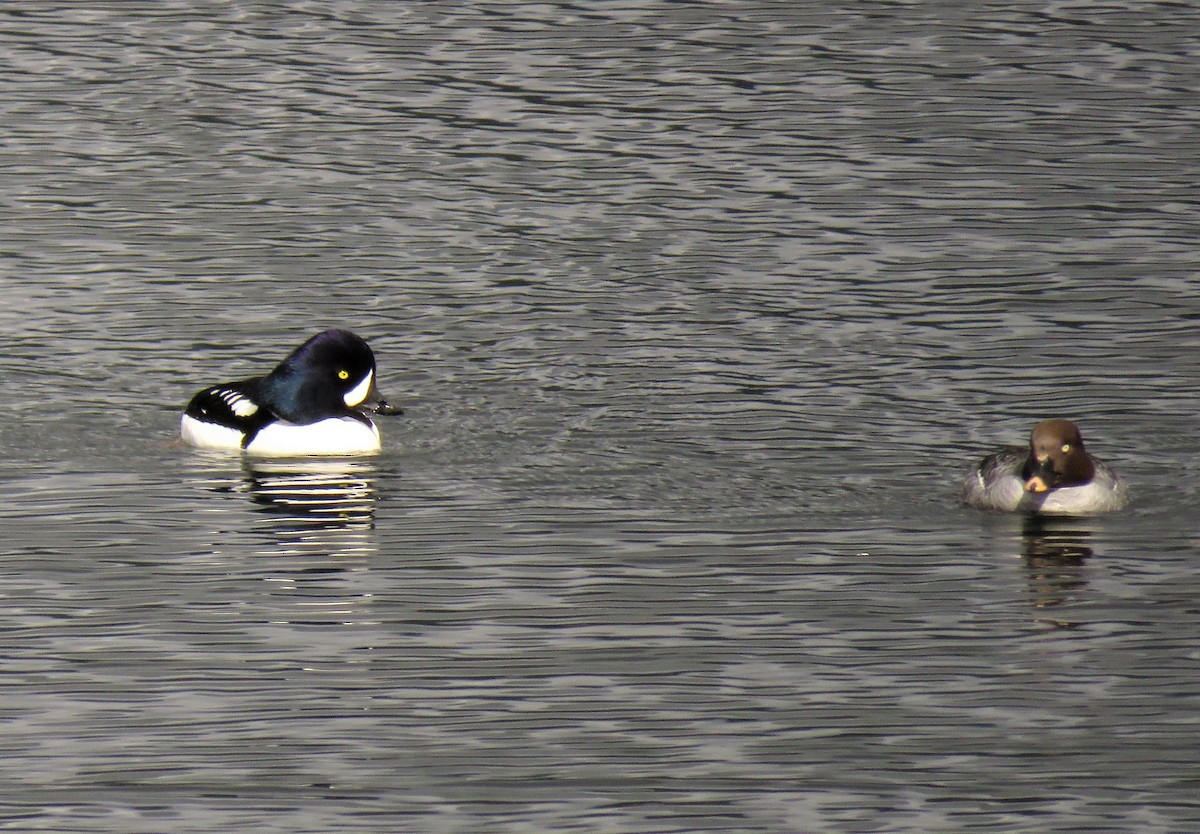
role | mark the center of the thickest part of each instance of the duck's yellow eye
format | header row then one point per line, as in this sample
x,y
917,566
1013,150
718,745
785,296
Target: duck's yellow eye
x,y
343,374
1066,448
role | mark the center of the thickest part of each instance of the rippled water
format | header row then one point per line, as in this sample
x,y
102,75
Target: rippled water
x,y
698,312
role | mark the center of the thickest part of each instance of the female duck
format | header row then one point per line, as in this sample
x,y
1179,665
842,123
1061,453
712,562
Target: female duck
x,y
314,403
1055,475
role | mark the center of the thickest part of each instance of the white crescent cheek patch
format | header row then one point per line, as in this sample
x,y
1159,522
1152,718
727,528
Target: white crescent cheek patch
x,y
359,392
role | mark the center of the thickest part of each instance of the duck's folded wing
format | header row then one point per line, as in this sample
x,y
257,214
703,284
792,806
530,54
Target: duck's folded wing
x,y
232,404
1005,463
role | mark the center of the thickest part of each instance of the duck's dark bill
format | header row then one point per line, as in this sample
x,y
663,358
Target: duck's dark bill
x,y
386,408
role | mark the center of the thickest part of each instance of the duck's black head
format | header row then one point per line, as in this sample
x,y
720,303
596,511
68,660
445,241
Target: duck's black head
x,y
330,375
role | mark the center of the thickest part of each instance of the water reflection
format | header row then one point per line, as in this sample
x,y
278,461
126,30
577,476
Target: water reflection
x,y
1055,552
316,505
314,494
322,507
310,530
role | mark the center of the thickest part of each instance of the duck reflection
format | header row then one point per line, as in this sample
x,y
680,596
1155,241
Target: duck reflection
x,y
316,505
1055,552
296,538
314,493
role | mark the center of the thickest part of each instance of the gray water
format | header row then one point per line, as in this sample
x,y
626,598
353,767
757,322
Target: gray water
x,y
698,312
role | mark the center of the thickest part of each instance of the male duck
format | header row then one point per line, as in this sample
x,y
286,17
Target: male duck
x,y
1055,475
314,403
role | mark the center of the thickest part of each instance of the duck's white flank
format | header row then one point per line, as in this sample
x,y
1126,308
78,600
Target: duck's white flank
x,y
331,436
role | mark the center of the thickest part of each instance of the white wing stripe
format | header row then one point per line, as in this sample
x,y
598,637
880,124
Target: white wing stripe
x,y
239,404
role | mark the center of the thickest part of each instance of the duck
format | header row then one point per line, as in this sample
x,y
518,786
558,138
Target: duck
x,y
1054,475
317,401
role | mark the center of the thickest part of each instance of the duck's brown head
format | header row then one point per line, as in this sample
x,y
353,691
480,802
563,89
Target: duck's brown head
x,y
1056,457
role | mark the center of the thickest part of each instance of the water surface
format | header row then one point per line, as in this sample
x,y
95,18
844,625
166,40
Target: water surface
x,y
698,313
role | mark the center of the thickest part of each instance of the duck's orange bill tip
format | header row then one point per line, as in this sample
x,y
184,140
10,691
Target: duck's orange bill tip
x,y
1036,484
